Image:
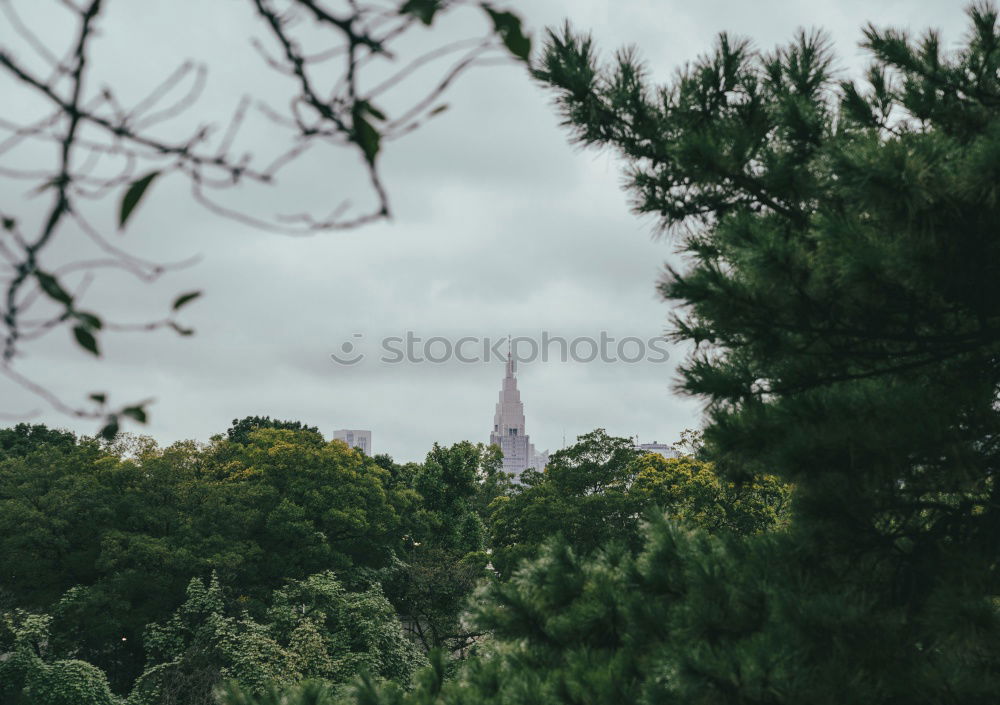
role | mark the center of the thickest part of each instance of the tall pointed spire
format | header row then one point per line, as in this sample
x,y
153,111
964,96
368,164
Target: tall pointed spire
x,y
508,425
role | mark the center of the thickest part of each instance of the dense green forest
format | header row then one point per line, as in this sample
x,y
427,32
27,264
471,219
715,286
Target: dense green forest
x,y
270,556
831,536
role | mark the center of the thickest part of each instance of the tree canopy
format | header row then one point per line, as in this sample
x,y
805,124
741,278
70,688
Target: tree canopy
x,y
840,291
600,490
128,533
832,539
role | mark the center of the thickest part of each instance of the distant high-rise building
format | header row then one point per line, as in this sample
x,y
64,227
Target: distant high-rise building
x,y
508,429
360,439
667,451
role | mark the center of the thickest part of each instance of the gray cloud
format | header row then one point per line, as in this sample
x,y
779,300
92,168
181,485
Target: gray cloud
x,y
500,225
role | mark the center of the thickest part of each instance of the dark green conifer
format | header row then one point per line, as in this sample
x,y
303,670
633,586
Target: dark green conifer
x,y
841,283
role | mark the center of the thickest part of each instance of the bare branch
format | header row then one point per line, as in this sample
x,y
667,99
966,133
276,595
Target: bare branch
x,y
104,149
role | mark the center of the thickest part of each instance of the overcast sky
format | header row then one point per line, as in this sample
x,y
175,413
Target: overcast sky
x,y
500,227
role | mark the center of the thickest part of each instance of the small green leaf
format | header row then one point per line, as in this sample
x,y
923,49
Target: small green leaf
x,y
180,329
371,110
135,412
186,298
51,183
110,429
9,223
508,26
133,195
423,10
365,136
99,397
88,319
51,286
438,110
85,338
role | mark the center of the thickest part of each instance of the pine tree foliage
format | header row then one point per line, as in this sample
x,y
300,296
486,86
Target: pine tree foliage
x,y
841,289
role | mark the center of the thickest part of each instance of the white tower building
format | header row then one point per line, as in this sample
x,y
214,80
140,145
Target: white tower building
x,y
356,438
508,429
663,449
